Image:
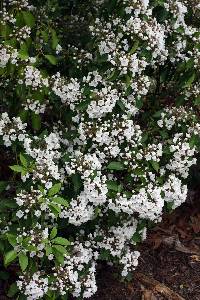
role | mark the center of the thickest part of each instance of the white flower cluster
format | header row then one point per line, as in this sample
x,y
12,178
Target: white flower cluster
x,y
35,106
11,130
20,4
33,78
34,288
7,54
46,155
69,92
82,209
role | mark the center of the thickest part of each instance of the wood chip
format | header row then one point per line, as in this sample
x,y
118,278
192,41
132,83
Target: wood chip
x,y
148,295
158,287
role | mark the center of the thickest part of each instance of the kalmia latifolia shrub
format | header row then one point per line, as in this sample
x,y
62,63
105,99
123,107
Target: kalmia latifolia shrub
x,y
99,129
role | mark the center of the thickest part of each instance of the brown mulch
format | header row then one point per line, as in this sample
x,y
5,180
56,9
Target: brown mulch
x,y
169,266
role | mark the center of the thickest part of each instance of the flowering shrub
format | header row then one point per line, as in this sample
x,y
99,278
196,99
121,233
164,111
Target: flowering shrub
x,y
99,128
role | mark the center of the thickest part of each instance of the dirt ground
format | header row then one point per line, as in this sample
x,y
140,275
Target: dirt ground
x,y
169,266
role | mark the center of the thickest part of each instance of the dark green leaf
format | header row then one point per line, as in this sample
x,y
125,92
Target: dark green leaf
x,y
116,165
76,180
134,48
136,237
4,275
12,290
54,39
29,19
197,101
155,165
3,185
36,121
52,59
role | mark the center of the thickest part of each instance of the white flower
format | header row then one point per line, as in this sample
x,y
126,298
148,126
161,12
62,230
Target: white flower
x,y
19,214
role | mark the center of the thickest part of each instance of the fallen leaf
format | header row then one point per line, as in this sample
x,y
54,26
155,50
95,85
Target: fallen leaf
x,y
195,223
191,250
148,295
195,258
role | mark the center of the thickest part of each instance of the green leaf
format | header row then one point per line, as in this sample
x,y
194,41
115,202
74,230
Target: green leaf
x,y
54,39
65,297
197,101
180,100
141,225
12,290
114,75
61,201
121,105
52,59
29,19
5,30
169,206
136,238
60,249
23,114
83,105
44,35
3,185
190,80
114,186
9,257
23,160
139,103
134,48
61,241
8,203
155,165
76,180
105,254
4,275
12,239
59,257
31,248
23,261
116,165
36,121
48,250
187,79
54,189
23,52
55,209
17,168
21,297
53,233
